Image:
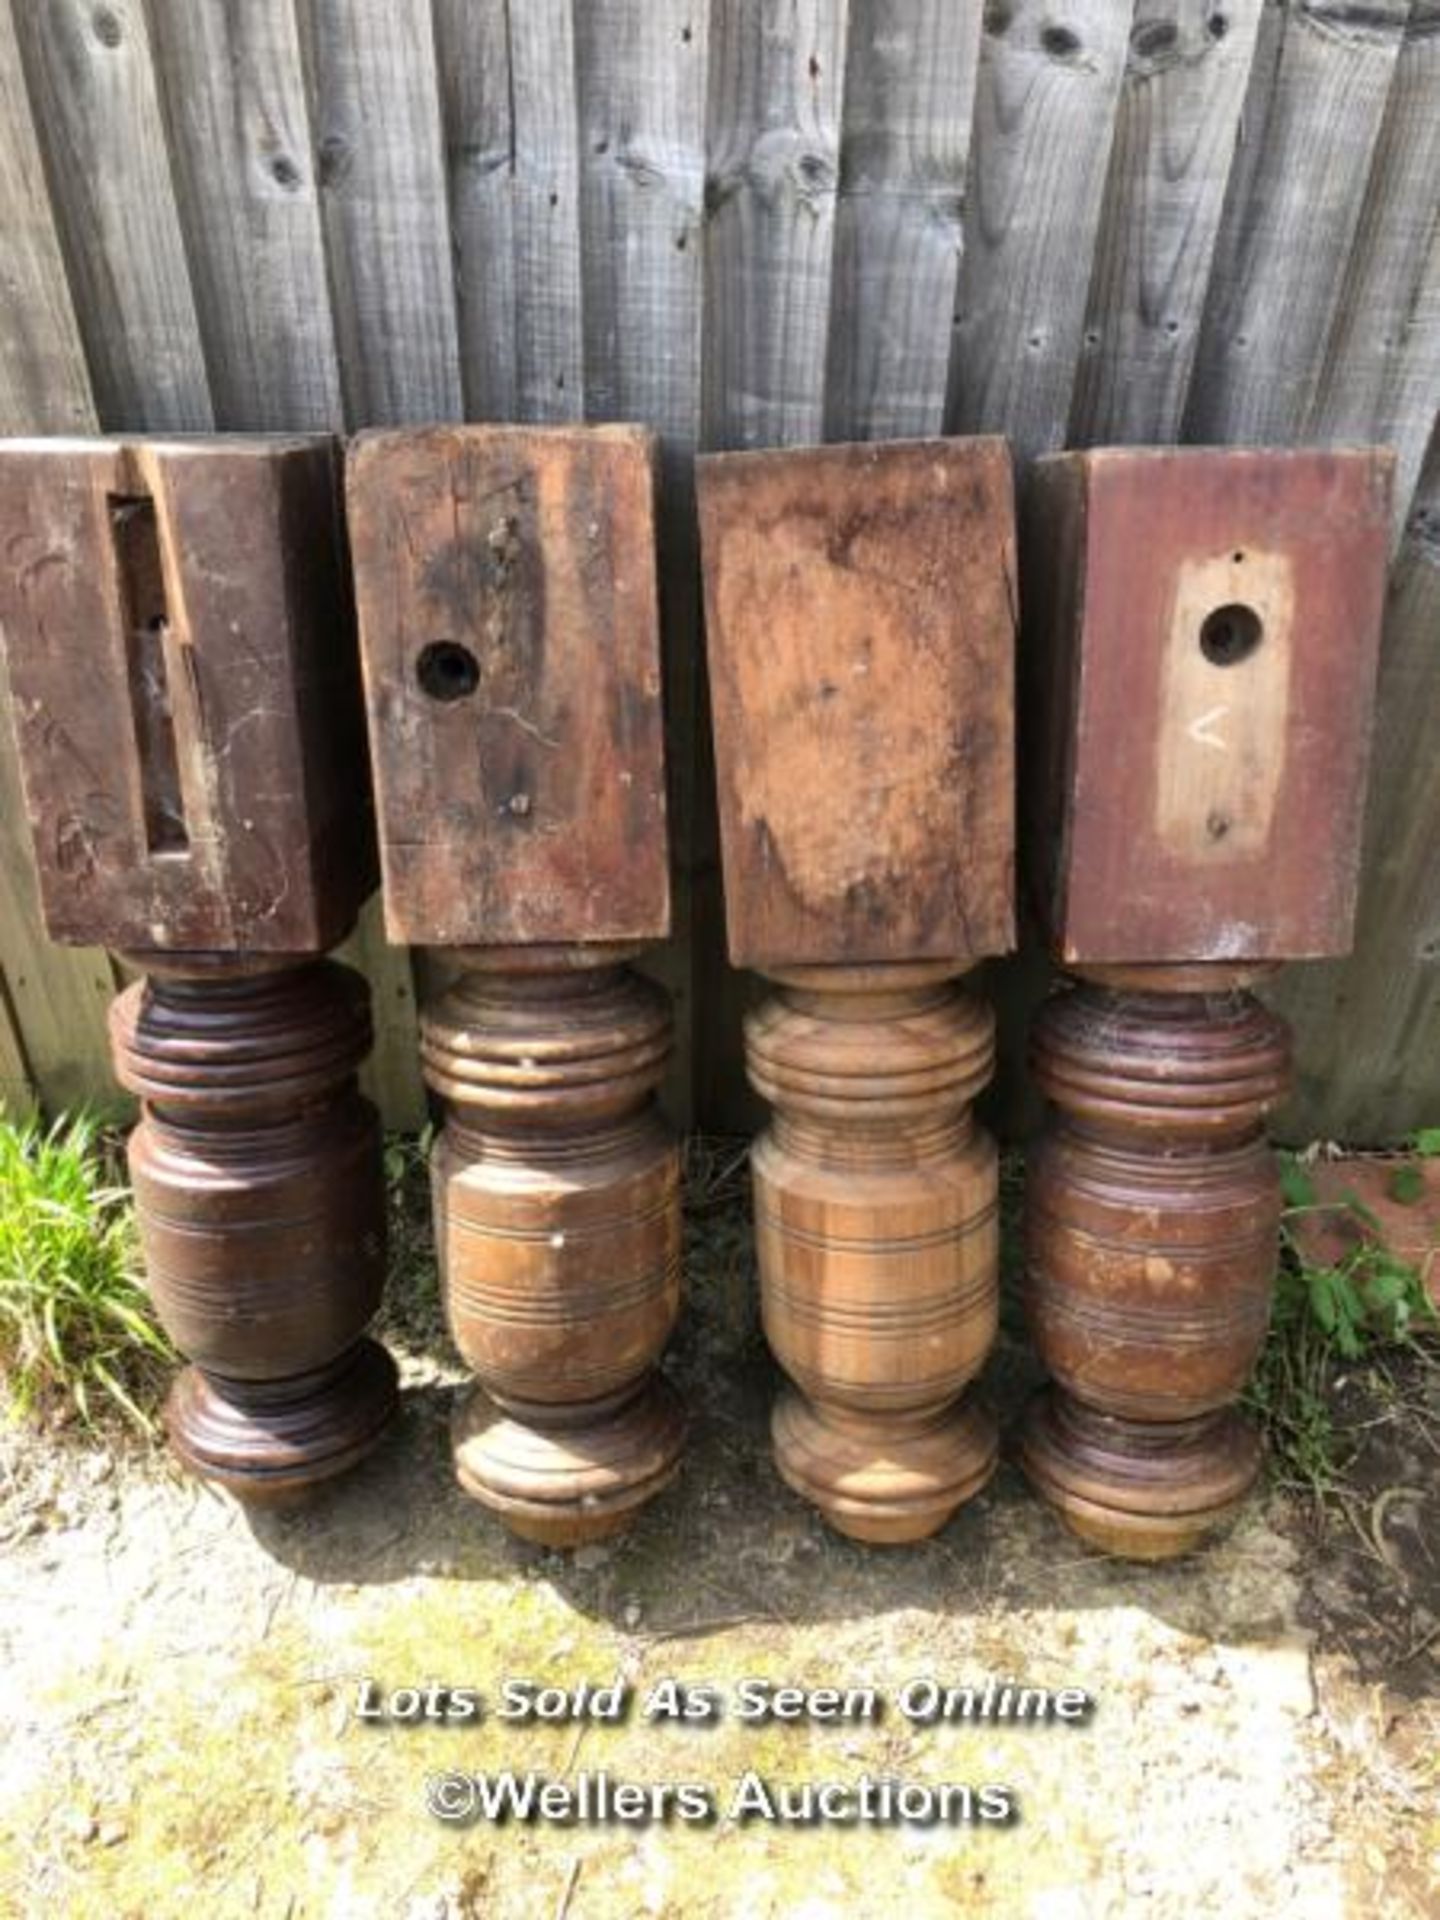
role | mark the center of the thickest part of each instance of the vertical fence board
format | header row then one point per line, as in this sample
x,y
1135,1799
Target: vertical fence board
x,y
641,67
472,45
1309,127
44,387
909,92
773,138
391,1075
234,96
92,91
375,111
641,129
1382,373
1044,113
17,1089
1366,1027
1175,128
545,194
59,995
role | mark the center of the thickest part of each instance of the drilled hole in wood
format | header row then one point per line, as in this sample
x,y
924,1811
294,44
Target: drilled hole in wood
x,y
447,671
1230,634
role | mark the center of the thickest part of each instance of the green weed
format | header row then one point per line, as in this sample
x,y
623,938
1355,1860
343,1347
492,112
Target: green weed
x,y
1324,1317
75,1323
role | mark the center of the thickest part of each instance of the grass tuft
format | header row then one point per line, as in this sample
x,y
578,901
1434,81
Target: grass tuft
x,y
76,1328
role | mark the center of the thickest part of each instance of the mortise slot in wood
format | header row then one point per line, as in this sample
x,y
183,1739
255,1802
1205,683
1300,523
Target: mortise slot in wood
x,y
142,589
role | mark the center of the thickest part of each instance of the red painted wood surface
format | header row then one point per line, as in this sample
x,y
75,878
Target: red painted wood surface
x,y
1201,635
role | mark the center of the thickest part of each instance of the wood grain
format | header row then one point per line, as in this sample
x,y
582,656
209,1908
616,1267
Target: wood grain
x,y
1382,369
245,179
909,92
877,1239
773,146
17,1086
44,387
194,785
1152,1227
1308,131
1175,129
374,109
1145,854
860,623
472,49
58,997
505,578
1049,79
1366,1067
549,322
92,91
557,1199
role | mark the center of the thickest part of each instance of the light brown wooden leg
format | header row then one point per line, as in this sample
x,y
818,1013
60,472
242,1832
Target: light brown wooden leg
x,y
878,1241
557,1203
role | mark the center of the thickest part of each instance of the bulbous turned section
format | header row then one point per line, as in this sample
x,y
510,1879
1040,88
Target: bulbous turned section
x,y
557,1206
877,1239
260,1199
1143,1491
1152,1224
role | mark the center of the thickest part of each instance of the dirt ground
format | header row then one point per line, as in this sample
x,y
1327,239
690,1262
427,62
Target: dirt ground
x,y
179,1682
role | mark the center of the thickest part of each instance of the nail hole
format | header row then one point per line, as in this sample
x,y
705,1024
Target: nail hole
x,y
1217,26
447,671
1230,634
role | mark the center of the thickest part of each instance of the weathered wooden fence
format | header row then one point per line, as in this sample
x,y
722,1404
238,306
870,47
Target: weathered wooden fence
x,y
751,222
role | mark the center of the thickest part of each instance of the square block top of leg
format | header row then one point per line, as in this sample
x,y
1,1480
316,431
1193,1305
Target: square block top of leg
x,y
509,625
860,614
185,690
1201,636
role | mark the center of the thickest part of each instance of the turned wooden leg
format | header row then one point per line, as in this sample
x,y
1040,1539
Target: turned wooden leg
x,y
1152,1223
1202,627
877,1237
557,1206
505,578
260,1196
